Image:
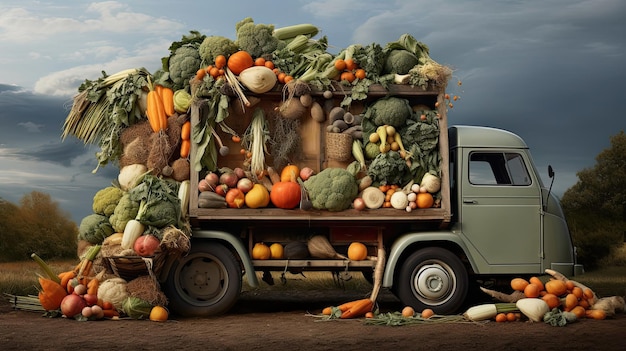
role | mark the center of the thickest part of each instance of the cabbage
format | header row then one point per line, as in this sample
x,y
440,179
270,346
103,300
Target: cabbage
x,y
137,308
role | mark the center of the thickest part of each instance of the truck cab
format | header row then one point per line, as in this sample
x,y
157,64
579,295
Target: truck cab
x,y
504,213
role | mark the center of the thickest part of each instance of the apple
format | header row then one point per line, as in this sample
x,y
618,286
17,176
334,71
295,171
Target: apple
x,y
146,245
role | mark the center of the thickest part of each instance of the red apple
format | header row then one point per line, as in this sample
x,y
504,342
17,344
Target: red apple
x,y
146,245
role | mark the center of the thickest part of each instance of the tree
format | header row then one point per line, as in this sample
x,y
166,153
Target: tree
x,y
37,225
595,205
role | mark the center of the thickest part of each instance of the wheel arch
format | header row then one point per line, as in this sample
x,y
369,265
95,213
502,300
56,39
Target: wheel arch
x,y
235,245
408,243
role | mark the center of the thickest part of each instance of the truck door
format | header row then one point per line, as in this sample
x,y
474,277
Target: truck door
x,y
500,209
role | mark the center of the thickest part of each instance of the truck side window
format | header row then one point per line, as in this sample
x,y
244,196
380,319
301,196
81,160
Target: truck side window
x,y
496,168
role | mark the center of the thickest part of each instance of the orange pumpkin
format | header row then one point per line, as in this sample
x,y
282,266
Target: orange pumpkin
x,y
158,314
260,251
239,61
286,194
290,173
357,251
51,294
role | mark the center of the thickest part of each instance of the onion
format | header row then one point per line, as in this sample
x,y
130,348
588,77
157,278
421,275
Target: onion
x,y
212,178
306,173
72,305
229,179
244,185
358,204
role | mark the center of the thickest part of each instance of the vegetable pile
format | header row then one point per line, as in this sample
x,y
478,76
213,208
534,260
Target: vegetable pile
x,y
142,123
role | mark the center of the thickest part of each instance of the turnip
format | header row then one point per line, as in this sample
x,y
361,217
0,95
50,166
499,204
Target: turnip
x,y
244,185
229,178
72,305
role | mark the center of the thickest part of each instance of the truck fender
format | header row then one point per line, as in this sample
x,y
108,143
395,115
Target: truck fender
x,y
236,244
402,243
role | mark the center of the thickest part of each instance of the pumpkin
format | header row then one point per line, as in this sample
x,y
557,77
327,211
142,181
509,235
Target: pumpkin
x,y
357,251
276,251
158,314
286,194
239,61
51,294
290,173
257,197
235,198
260,251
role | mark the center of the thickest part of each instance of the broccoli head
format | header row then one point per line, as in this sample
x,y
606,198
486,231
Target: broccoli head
x,y
332,189
105,200
125,210
393,111
94,228
183,65
216,45
400,61
256,39
389,168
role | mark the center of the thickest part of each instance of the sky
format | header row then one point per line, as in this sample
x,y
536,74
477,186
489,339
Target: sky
x,y
551,71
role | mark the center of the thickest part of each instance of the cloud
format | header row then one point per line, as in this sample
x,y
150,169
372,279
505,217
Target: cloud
x,y
31,127
21,25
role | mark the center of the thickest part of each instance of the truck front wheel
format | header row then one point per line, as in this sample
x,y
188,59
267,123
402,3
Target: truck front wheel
x,y
205,282
433,278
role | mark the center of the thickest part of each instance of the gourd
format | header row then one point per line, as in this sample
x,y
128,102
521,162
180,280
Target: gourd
x,y
286,195
258,79
296,250
289,173
260,251
133,230
258,196
239,61
320,247
357,251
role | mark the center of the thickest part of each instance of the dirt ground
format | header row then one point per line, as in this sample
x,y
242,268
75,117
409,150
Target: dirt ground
x,y
285,322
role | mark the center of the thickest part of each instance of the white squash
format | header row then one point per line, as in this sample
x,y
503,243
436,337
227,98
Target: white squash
x,y
258,79
133,230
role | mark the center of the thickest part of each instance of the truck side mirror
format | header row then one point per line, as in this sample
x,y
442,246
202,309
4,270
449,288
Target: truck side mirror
x,y
550,171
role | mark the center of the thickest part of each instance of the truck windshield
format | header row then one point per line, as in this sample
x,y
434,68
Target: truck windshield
x,y
498,168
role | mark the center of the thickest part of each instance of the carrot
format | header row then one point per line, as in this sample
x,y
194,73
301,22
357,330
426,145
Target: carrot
x,y
92,286
596,314
359,309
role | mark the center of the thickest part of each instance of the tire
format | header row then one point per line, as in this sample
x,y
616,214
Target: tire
x,y
206,282
433,278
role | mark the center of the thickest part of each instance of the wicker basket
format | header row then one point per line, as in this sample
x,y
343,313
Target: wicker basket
x,y
131,267
338,146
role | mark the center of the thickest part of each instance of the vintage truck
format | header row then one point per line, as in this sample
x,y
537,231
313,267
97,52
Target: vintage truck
x,y
495,218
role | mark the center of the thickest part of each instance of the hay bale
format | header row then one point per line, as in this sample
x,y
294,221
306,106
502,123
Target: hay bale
x,y
146,288
175,241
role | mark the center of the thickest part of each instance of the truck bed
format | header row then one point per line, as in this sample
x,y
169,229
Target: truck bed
x,y
313,156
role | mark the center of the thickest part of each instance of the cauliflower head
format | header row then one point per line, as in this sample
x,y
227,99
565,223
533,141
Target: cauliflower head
x,y
256,39
105,200
391,110
94,228
125,210
216,45
183,65
332,189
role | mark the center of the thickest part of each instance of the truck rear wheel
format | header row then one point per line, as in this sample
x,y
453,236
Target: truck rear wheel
x,y
433,278
205,282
